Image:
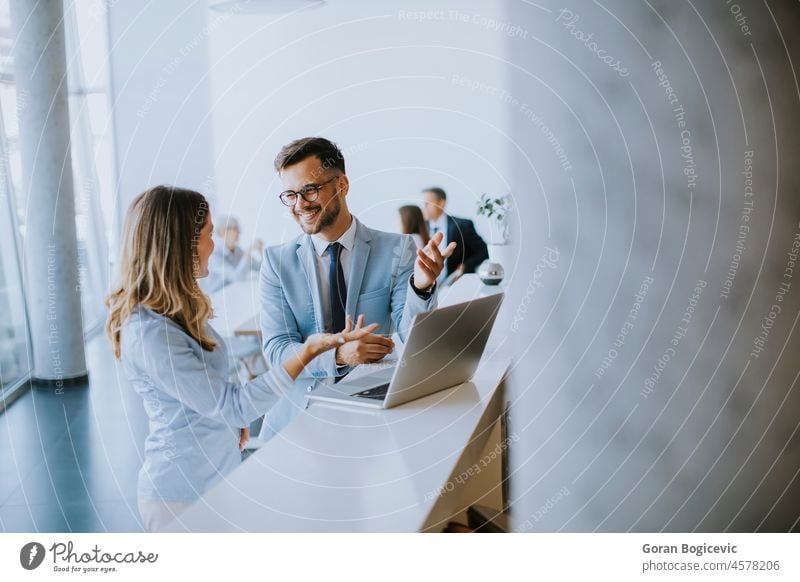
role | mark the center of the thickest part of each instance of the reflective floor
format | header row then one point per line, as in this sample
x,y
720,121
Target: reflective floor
x,y
69,461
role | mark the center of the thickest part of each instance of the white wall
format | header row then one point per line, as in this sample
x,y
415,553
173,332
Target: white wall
x,y
159,94
665,420
376,81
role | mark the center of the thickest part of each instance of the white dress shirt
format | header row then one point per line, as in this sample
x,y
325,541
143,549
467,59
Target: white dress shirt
x,y
347,240
440,225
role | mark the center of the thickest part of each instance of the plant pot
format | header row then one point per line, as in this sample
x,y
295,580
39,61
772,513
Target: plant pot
x,y
491,273
501,253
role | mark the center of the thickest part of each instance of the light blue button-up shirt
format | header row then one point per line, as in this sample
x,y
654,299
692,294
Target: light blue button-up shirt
x,y
195,412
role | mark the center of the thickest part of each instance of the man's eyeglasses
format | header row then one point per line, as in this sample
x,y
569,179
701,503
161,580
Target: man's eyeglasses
x,y
309,193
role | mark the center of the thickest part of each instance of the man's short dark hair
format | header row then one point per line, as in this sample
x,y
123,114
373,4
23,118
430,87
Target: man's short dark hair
x,y
438,192
327,152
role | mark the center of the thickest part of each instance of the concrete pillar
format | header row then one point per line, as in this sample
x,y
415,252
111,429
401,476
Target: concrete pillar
x,y
656,312
50,247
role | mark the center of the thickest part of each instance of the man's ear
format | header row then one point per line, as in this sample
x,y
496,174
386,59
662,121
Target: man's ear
x,y
344,185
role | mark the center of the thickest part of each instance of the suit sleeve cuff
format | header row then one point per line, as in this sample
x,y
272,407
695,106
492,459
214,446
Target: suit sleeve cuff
x,y
426,294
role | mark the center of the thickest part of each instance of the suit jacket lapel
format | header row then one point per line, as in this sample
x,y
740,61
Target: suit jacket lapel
x,y
358,265
305,255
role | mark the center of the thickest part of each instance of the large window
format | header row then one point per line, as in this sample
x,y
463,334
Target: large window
x,y
90,140
15,354
91,151
92,162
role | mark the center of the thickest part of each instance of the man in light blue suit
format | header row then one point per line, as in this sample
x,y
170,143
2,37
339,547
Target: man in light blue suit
x,y
337,269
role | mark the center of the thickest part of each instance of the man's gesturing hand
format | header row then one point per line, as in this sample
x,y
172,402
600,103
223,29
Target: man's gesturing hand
x,y
430,262
367,349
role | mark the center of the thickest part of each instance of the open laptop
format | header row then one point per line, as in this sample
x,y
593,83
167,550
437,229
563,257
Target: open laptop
x,y
443,349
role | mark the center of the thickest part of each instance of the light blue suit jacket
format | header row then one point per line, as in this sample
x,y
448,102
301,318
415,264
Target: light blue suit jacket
x,y
379,286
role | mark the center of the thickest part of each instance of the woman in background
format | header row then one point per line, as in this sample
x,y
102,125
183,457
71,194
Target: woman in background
x,y
158,327
412,222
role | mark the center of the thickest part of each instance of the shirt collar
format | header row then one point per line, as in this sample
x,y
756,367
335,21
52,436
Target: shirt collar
x,y
440,223
347,240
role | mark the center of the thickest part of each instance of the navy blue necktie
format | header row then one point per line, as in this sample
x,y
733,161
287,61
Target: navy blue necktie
x,y
337,287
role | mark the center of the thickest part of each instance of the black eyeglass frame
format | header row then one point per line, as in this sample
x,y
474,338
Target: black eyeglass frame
x,y
305,193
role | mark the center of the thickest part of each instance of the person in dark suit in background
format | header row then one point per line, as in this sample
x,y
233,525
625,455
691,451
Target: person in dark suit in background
x,y
471,250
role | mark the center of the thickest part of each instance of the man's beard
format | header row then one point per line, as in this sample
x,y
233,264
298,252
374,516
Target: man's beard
x,y
326,217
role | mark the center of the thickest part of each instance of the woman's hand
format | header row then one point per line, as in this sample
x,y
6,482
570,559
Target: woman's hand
x,y
322,342
244,437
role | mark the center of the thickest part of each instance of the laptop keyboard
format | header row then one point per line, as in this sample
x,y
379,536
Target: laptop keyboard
x,y
377,393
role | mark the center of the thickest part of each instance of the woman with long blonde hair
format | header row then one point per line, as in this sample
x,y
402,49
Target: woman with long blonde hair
x,y
158,327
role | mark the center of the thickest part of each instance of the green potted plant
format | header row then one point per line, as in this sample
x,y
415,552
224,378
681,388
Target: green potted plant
x,y
497,209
